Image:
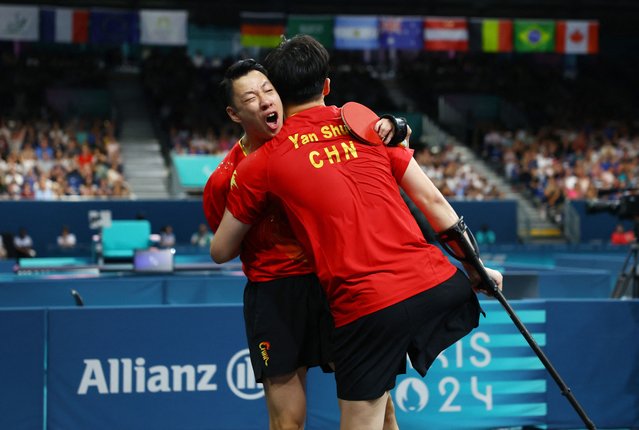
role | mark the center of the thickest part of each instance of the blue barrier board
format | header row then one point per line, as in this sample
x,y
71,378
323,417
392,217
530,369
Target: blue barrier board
x,y
22,358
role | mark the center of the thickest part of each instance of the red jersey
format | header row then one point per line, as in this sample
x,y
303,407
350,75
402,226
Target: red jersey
x,y
344,204
622,237
269,250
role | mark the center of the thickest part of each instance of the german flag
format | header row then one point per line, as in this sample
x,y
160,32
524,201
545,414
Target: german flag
x,y
262,30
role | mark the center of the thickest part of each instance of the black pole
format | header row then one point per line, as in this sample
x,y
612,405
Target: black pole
x,y
472,257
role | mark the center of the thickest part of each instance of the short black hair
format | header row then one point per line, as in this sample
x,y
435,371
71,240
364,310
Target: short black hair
x,y
235,71
298,68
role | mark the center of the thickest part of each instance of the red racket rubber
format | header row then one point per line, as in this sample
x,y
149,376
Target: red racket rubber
x,y
360,121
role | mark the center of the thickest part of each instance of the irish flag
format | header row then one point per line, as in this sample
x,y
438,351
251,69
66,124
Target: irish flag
x,y
577,37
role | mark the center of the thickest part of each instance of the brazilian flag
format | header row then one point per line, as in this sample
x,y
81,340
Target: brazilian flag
x,y
534,36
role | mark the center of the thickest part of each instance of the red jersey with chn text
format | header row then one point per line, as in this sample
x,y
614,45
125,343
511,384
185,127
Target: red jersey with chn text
x,y
344,205
269,250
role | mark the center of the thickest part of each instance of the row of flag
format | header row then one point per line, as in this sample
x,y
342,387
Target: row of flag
x,y
170,27
424,33
96,26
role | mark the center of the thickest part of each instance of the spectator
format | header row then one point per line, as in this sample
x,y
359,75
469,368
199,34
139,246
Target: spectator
x,y
485,236
85,158
44,149
66,240
198,59
621,236
43,189
202,237
3,250
120,189
167,238
23,244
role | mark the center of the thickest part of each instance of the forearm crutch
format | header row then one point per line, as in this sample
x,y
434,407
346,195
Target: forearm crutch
x,y
460,235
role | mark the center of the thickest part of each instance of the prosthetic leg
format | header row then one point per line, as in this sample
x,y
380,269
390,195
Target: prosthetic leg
x,y
461,238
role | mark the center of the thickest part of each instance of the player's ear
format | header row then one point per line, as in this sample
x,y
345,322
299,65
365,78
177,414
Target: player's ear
x,y
327,87
232,114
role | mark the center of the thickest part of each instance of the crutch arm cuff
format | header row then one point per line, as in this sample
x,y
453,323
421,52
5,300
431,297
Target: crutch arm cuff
x,y
401,128
459,234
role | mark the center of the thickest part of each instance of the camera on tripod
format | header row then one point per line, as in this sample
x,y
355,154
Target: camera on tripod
x,y
626,207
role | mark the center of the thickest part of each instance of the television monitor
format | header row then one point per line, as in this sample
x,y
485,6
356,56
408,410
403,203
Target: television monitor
x,y
153,260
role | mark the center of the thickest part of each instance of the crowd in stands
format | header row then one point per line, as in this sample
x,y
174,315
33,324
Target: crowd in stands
x,y
455,178
578,113
565,158
555,165
44,160
50,148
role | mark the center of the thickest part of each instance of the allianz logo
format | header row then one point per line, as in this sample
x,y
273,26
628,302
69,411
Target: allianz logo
x,y
128,375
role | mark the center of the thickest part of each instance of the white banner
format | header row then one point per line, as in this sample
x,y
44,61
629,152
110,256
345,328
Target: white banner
x,y
19,23
163,27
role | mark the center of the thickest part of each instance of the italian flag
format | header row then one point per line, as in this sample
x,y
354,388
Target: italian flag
x,y
577,37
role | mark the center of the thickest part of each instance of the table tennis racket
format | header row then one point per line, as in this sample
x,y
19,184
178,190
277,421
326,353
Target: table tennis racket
x,y
360,121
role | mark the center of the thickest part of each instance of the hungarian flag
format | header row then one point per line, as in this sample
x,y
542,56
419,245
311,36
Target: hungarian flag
x,y
318,26
445,34
262,30
534,36
62,25
577,37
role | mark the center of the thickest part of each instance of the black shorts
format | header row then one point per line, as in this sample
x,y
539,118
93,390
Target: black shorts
x,y
288,325
371,351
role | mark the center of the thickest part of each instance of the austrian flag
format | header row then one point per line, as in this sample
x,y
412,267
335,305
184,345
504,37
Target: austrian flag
x,y
445,34
577,37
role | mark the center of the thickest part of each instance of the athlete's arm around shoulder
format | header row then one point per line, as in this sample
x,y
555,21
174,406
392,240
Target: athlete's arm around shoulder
x,y
228,239
246,200
421,190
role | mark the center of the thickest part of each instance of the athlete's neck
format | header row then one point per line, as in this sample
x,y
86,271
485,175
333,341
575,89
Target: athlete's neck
x,y
249,144
292,109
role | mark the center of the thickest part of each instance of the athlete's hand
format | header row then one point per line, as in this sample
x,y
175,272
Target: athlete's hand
x,y
385,129
497,278
476,282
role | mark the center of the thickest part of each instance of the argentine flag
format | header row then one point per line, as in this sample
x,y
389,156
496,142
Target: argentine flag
x,y
356,32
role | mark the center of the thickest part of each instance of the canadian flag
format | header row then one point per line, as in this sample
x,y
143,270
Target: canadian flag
x,y
445,34
577,37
